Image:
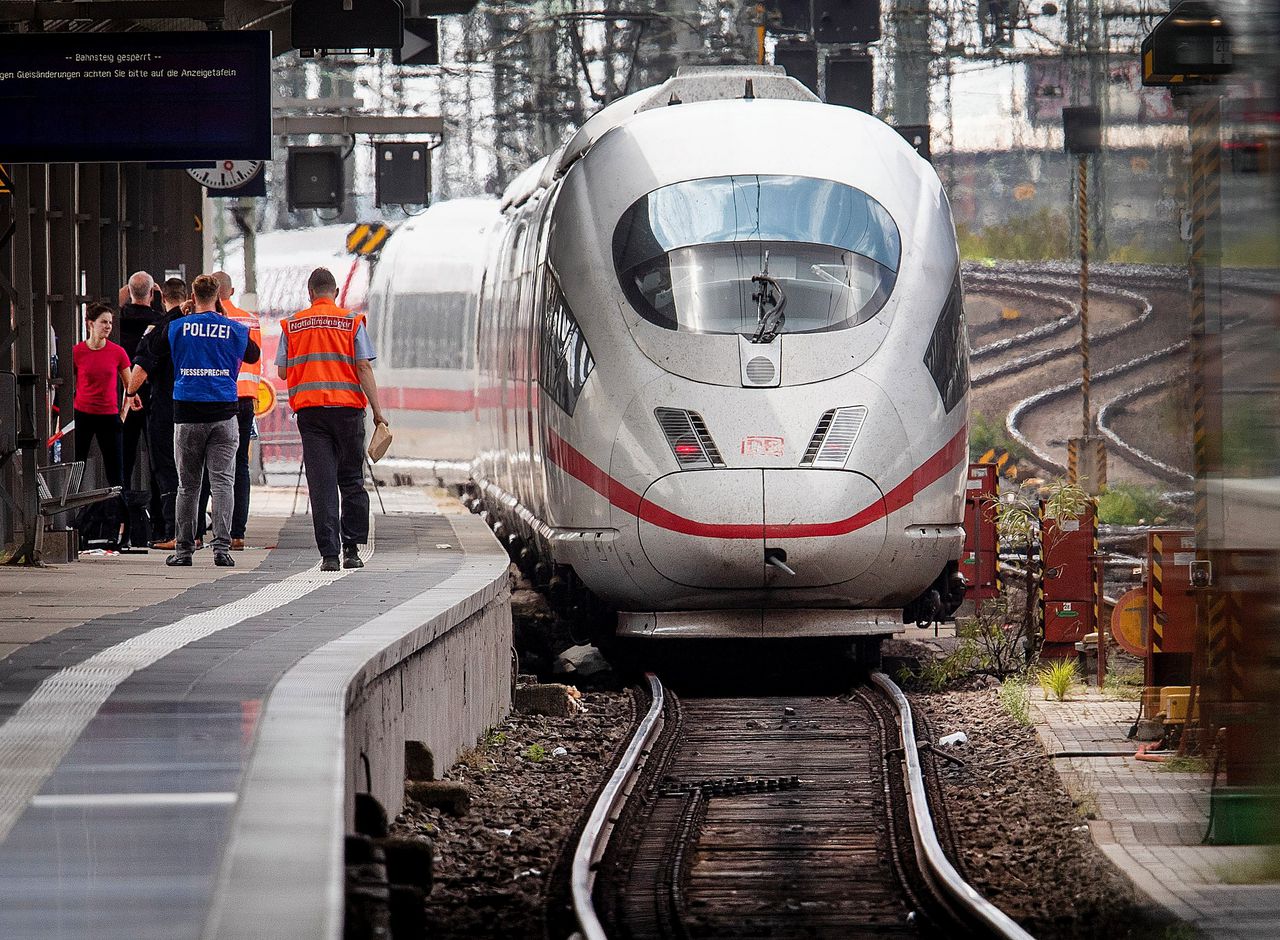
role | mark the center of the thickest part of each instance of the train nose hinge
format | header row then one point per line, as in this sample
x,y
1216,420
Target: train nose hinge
x,y
777,557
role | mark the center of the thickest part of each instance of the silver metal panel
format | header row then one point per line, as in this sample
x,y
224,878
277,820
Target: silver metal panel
x,y
757,623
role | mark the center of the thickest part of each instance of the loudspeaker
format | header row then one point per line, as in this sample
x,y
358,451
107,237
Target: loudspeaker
x,y
1082,129
846,21
801,62
849,82
403,174
315,178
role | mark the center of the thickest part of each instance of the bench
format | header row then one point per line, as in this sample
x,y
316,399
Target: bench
x,y
59,485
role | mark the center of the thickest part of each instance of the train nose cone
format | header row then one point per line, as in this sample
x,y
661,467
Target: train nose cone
x,y
713,528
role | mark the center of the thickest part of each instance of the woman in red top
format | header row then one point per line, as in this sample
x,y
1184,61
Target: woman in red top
x,y
101,367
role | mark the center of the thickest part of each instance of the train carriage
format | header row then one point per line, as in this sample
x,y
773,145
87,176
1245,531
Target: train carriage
x,y
722,379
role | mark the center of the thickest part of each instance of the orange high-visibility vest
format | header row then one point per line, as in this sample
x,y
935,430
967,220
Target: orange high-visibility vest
x,y
250,372
321,357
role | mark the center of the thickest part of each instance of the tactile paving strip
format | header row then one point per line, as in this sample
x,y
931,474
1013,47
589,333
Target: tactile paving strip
x,y
36,738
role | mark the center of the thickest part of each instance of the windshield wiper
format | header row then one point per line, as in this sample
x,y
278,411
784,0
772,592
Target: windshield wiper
x,y
770,304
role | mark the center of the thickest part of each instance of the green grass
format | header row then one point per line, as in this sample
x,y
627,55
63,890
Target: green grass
x,y
1015,700
1122,683
1040,236
1185,765
1058,678
536,753
1131,504
986,433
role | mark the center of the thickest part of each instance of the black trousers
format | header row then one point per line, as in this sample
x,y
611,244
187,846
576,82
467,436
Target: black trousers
x,y
135,425
109,433
240,512
333,452
163,468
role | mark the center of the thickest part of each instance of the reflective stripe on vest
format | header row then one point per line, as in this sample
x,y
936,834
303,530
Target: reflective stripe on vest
x,y
320,357
250,372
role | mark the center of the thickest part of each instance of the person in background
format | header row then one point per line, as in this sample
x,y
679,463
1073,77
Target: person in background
x,y
247,392
164,470
207,351
136,318
325,357
100,367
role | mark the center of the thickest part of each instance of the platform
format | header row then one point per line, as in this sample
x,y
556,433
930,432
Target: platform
x,y
1150,823
176,745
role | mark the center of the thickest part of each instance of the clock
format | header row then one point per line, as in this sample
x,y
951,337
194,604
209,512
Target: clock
x,y
226,174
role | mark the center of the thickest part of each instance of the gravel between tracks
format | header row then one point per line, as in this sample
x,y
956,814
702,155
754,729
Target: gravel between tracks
x,y
1023,843
494,864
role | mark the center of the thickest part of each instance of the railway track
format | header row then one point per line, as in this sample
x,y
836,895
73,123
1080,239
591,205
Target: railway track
x,y
772,817
1136,376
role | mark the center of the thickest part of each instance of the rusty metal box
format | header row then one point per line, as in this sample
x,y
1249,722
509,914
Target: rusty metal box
x,y
1066,547
979,562
1067,621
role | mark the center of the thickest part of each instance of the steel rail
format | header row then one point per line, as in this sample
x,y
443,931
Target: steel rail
x,y
937,867
595,835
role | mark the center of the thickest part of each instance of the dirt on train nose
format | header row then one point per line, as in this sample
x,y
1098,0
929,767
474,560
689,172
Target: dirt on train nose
x,y
719,529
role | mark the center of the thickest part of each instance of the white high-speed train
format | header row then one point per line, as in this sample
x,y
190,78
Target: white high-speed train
x,y
722,370
421,312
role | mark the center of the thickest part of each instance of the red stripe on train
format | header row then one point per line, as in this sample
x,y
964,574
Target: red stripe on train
x,y
565,456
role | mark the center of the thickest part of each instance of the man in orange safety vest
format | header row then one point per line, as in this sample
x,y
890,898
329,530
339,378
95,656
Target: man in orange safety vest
x,y
246,395
325,357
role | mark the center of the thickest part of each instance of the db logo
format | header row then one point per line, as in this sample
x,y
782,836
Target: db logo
x,y
763,446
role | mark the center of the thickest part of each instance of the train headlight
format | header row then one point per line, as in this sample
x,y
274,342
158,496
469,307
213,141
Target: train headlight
x,y
688,438
833,439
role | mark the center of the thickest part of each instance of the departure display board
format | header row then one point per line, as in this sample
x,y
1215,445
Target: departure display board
x,y
144,96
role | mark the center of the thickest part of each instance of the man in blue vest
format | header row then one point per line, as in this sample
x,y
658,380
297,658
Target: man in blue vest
x,y
207,350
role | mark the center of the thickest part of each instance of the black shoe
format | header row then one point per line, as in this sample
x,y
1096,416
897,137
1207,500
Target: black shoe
x,y
330,563
351,557
178,561
224,560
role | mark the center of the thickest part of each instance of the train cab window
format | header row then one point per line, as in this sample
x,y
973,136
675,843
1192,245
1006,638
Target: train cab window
x,y
686,253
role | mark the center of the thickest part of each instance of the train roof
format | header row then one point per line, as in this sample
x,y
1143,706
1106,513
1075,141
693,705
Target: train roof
x,y
438,249
689,84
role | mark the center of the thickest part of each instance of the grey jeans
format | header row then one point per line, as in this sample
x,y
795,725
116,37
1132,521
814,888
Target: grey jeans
x,y
197,446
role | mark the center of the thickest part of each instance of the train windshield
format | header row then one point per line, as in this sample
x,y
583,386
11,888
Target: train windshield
x,y
686,253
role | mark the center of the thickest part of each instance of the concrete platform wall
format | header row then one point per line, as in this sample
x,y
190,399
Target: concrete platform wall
x,y
444,694
434,669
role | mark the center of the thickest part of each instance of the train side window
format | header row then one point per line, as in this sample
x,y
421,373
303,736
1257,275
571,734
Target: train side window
x,y
947,357
430,331
564,361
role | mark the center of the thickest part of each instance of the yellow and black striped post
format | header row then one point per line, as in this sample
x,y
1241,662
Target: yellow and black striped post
x,y
1206,367
1157,594
1082,209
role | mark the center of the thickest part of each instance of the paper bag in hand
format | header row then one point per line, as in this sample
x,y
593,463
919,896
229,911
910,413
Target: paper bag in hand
x,y
379,442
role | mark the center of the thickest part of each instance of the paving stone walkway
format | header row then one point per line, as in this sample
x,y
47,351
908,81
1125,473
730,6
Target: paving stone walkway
x,y
1150,822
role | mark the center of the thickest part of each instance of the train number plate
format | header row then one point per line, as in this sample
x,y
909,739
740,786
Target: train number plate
x,y
763,446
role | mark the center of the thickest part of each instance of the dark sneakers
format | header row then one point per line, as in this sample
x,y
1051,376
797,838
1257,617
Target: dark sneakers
x,y
224,560
178,561
351,557
330,563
